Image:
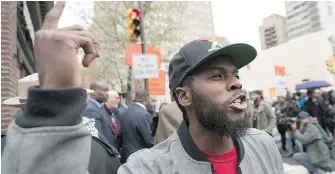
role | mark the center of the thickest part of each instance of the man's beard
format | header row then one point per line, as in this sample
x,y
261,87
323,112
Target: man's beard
x,y
213,118
99,100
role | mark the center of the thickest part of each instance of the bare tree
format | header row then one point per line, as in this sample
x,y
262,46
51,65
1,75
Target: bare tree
x,y
109,27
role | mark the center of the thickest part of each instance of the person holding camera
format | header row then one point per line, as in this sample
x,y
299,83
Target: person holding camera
x,y
317,155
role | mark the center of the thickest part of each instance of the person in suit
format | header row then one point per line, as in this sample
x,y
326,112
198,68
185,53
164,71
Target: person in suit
x,y
129,97
137,121
109,109
94,111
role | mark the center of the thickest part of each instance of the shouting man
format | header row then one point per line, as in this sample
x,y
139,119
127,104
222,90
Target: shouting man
x,y
214,136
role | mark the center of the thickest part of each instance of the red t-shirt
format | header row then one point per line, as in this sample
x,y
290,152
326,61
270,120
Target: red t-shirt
x,y
225,163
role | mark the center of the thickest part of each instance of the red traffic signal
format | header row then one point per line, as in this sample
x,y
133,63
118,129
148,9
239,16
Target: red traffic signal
x,y
134,31
135,13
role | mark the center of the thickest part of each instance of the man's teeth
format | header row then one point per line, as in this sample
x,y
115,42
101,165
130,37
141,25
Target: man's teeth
x,y
237,101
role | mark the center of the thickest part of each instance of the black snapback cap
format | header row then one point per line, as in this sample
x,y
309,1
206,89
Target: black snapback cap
x,y
195,53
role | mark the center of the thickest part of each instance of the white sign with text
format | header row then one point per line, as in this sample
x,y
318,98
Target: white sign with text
x,y
145,66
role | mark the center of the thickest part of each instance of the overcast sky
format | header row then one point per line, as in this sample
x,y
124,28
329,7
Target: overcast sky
x,y
238,20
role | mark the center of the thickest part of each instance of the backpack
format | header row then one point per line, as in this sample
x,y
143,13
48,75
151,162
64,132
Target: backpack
x,y
326,135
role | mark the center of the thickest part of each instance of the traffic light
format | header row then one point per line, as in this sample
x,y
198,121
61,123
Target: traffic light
x,y
134,32
330,67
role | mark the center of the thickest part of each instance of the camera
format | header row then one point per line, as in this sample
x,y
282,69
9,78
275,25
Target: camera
x,y
291,121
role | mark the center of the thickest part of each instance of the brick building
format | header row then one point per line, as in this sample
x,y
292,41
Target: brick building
x,y
19,22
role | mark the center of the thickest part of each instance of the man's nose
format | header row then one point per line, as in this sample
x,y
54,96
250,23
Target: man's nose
x,y
235,84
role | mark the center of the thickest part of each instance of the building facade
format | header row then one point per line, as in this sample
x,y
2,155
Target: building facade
x,y
309,16
273,31
19,22
303,58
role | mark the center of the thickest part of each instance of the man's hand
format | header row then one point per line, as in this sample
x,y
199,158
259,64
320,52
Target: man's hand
x,y
56,51
294,127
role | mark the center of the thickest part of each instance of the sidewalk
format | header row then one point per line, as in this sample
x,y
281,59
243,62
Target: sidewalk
x,y
294,169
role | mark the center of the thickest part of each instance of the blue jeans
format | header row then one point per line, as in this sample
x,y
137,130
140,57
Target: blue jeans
x,y
289,146
302,158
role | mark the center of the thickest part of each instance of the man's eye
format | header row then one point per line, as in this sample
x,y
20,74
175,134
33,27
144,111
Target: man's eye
x,y
217,76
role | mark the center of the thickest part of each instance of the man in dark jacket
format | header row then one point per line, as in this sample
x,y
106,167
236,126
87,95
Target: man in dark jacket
x,y
110,110
315,106
280,108
137,121
94,111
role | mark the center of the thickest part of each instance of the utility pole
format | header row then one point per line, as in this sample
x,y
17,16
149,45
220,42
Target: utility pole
x,y
140,7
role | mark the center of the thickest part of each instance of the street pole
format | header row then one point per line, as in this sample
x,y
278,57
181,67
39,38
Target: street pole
x,y
140,7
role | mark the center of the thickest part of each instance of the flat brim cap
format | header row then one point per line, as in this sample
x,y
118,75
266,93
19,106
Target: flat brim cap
x,y
14,102
196,53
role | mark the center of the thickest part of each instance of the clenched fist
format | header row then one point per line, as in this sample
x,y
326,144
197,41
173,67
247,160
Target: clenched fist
x,y
56,51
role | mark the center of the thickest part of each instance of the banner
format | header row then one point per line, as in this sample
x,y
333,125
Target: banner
x,y
280,71
272,93
281,82
157,85
132,49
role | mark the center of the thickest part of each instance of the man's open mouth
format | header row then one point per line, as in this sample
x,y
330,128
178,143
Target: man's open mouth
x,y
238,103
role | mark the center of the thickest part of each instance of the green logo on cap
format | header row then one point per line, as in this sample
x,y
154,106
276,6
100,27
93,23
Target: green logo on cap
x,y
215,46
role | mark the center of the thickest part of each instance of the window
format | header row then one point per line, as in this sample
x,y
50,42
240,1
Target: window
x,y
330,8
296,7
305,17
314,11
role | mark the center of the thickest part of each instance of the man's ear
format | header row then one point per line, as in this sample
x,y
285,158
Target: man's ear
x,y
184,96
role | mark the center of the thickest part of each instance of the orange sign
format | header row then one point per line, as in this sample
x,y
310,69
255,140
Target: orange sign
x,y
157,85
132,49
272,92
280,70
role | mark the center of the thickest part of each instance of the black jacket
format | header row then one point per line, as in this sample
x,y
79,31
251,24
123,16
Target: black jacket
x,y
103,158
316,109
102,123
136,133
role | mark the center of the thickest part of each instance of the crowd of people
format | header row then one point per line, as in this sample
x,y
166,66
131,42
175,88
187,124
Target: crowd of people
x,y
305,121
63,128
